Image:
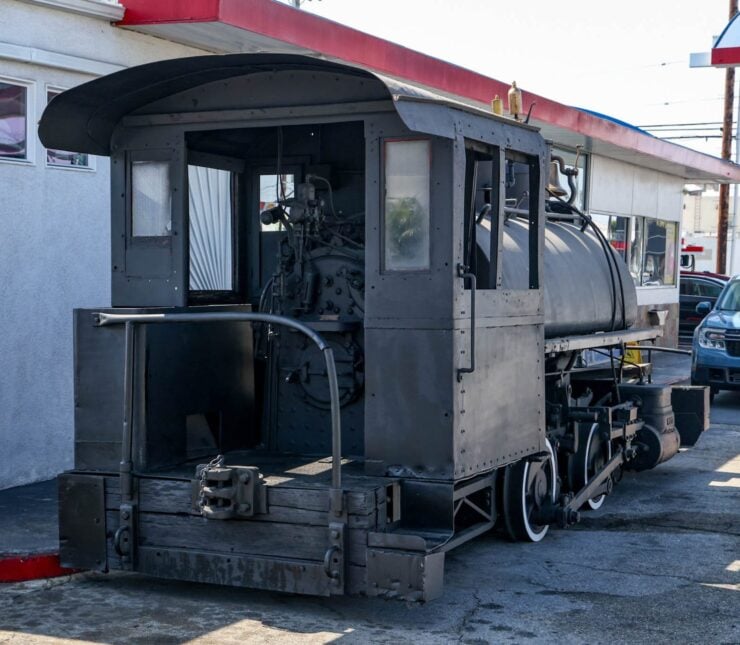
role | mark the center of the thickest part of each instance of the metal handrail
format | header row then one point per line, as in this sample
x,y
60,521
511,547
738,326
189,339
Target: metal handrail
x,y
130,320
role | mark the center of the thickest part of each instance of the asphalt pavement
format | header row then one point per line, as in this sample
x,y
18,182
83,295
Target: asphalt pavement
x,y
659,563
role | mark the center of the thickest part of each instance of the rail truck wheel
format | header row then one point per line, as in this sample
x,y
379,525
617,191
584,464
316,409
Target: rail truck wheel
x,y
528,487
593,453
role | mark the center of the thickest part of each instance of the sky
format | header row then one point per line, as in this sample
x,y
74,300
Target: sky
x,y
627,59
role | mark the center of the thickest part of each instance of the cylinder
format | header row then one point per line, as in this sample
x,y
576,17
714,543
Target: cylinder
x,y
654,448
578,285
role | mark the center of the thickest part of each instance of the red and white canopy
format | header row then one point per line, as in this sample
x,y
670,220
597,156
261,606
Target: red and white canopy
x,y
726,50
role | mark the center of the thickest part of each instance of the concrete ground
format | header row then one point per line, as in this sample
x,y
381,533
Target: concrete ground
x,y
659,563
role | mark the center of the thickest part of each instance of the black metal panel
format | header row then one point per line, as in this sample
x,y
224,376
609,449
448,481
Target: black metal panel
x,y
427,506
82,540
404,296
149,271
691,409
499,411
405,576
408,403
98,390
182,370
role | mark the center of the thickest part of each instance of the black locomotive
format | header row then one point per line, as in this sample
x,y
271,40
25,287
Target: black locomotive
x,y
346,333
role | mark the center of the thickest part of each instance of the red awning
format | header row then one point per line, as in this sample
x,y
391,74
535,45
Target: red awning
x,y
230,26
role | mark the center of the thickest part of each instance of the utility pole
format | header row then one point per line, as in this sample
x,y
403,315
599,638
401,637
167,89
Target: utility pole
x,y
724,189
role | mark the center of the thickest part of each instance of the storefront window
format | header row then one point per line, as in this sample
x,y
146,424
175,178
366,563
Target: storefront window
x,y
13,121
659,266
647,245
636,236
615,229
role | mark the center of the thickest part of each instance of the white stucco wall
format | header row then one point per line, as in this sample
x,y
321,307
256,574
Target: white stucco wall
x,y
54,238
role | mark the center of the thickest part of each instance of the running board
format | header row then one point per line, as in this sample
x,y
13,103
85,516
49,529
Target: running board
x,y
604,339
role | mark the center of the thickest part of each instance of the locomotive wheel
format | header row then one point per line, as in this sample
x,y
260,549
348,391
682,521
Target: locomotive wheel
x,y
528,487
593,453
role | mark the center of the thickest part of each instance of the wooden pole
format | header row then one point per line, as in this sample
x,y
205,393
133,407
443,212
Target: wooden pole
x,y
724,189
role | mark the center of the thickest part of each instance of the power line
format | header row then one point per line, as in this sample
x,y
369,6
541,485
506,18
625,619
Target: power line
x,y
679,129
680,125
695,136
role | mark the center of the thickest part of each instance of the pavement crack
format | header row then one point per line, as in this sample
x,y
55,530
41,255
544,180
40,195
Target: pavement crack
x,y
630,573
468,616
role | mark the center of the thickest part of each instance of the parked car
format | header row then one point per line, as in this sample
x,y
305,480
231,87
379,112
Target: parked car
x,y
696,287
716,346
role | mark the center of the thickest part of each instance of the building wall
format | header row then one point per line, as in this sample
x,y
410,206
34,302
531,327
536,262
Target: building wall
x,y
700,213
699,227
622,189
54,231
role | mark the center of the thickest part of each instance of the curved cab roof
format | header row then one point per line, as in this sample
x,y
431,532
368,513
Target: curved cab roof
x,y
83,119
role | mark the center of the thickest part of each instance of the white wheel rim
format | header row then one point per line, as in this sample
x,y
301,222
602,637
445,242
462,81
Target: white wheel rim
x,y
533,535
595,503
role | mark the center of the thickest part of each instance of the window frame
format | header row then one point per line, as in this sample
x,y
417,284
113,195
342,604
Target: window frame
x,y
30,86
703,282
384,270
148,156
632,224
676,255
91,159
213,296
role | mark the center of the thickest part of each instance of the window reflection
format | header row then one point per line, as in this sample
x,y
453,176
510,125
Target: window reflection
x,y
13,126
648,246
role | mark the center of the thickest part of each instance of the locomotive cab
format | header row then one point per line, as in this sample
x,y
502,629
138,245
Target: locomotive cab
x,y
334,351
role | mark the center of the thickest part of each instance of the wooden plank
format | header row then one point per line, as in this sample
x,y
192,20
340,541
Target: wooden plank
x,y
269,539
272,574
357,545
298,506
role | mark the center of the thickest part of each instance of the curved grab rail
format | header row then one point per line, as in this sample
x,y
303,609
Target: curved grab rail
x,y
130,320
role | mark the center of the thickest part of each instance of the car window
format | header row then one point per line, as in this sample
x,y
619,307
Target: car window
x,y
709,289
730,298
689,287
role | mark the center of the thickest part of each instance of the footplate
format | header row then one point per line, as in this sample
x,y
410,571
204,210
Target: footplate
x,y
229,492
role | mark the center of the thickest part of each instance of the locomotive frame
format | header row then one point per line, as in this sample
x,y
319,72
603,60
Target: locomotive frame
x,y
450,407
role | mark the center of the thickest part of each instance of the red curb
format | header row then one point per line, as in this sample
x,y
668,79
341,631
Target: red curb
x,y
20,568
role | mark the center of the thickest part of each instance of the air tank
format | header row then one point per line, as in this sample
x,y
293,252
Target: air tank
x,y
581,296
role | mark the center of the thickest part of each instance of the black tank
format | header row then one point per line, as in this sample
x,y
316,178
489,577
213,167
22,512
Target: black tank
x,y
578,286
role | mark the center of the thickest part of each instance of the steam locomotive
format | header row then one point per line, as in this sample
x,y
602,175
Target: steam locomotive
x,y
346,335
